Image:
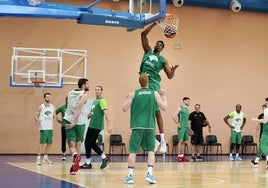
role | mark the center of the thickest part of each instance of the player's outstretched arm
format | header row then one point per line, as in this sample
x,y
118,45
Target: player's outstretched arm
x,y
170,71
144,40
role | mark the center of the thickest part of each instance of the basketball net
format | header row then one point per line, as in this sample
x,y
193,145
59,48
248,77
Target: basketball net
x,y
38,87
171,21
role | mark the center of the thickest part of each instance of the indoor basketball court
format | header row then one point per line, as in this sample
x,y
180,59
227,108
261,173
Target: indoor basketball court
x,y
218,172
40,68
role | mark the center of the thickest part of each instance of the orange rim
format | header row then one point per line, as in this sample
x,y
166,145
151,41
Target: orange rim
x,y
171,16
37,83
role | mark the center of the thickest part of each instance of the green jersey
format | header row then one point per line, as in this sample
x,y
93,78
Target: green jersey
x,y
142,113
183,116
97,115
265,125
152,64
62,110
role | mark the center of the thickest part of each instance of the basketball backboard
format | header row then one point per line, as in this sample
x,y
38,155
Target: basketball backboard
x,y
54,67
137,15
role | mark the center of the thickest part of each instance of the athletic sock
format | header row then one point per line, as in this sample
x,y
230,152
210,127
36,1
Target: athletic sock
x,y
162,136
103,156
150,169
130,171
257,159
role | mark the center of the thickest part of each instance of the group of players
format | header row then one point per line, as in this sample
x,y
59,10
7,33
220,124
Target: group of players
x,y
144,103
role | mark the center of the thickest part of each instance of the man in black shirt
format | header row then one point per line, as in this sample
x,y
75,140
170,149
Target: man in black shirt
x,y
198,120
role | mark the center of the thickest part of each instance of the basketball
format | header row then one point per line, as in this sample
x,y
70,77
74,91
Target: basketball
x,y
205,123
170,31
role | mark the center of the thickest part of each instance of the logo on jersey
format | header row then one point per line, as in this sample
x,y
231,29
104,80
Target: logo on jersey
x,y
47,113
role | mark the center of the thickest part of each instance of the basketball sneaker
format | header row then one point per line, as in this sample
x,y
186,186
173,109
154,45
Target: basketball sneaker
x,y
72,172
129,180
254,163
105,162
179,159
47,161
86,166
76,161
231,158
38,162
150,179
63,158
193,159
185,159
199,159
237,158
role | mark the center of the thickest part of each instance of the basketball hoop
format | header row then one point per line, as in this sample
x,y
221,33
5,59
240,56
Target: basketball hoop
x,y
38,87
169,24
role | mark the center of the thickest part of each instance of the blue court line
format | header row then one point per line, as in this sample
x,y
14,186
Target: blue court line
x,y
12,177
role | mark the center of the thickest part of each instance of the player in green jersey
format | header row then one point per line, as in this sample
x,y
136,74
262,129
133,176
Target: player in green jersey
x,y
264,137
152,63
142,122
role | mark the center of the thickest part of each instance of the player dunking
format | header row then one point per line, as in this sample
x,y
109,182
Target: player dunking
x,y
152,63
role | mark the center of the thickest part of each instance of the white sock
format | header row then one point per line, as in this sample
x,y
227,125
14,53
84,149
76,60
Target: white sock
x,y
103,156
45,156
162,136
150,169
237,155
257,159
266,157
74,153
130,171
88,161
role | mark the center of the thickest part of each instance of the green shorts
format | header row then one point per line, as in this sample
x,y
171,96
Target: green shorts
x,y
144,138
235,137
46,136
154,85
75,134
264,143
183,134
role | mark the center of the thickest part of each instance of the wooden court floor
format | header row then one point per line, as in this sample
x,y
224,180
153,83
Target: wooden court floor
x,y
21,171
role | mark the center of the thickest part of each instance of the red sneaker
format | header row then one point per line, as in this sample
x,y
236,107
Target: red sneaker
x,y
76,161
180,159
185,159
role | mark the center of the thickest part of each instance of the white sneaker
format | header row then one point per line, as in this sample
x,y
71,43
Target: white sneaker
x,y
38,161
156,145
47,161
163,147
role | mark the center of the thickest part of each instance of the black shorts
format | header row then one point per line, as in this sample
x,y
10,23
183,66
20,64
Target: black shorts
x,y
197,138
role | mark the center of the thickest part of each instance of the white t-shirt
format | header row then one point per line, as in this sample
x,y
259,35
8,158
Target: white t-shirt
x,y
73,99
46,117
